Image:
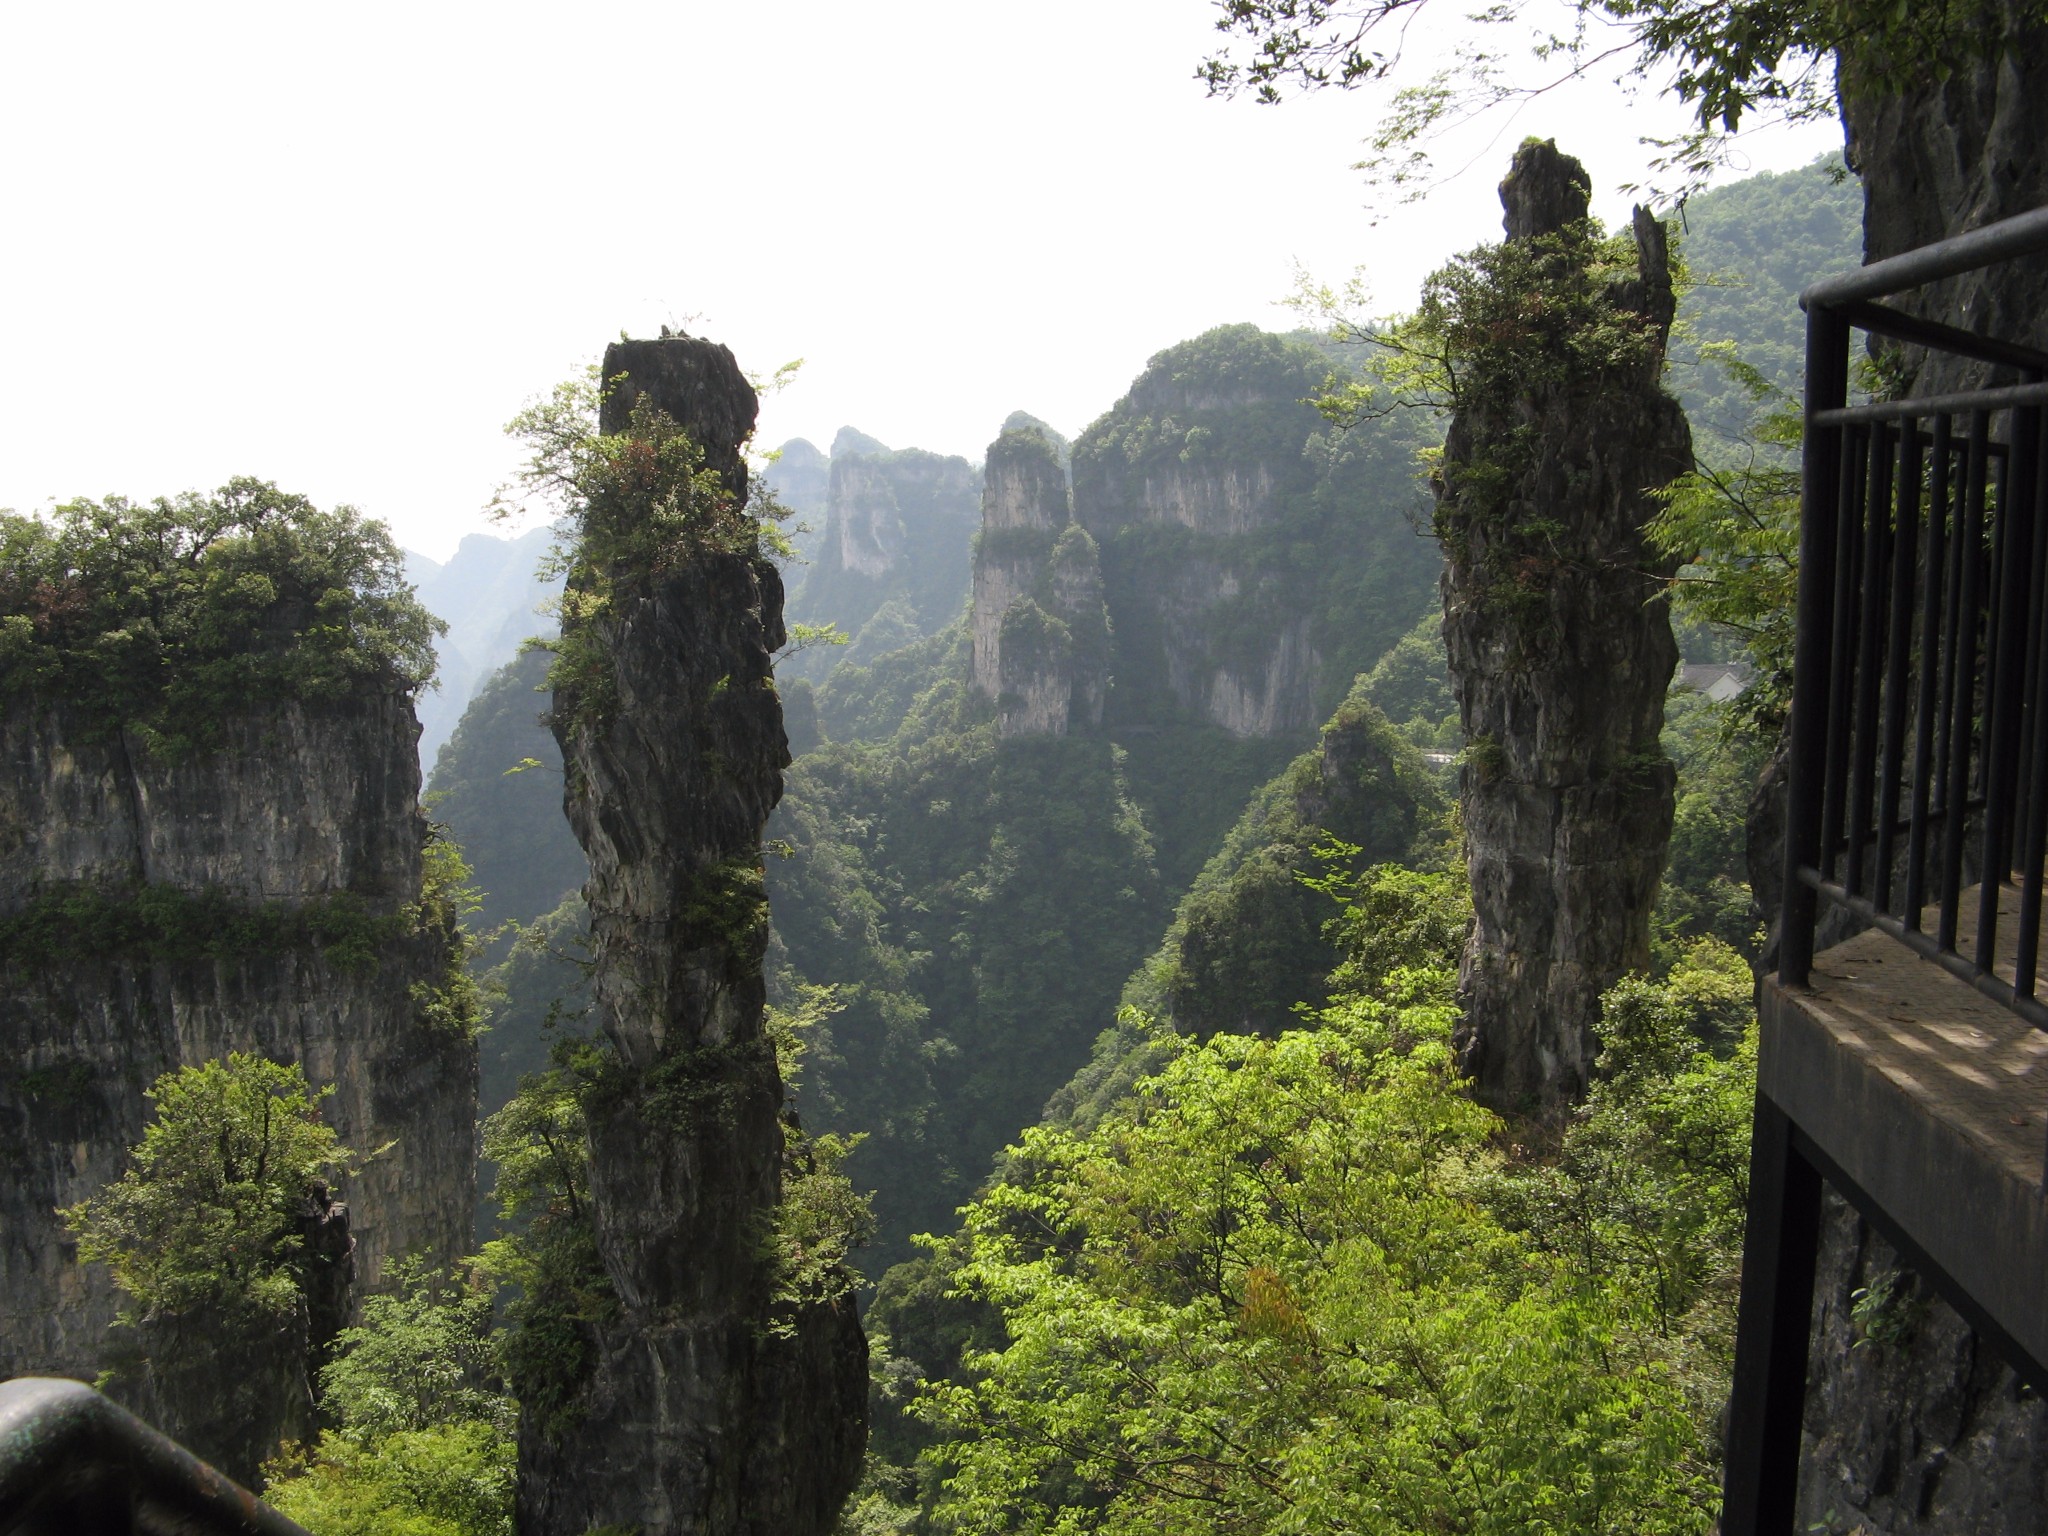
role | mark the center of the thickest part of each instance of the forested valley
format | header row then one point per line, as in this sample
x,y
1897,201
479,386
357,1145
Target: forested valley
x,y
1195,977
1042,970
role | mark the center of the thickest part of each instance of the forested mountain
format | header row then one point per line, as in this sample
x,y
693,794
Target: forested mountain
x,y
490,594
963,896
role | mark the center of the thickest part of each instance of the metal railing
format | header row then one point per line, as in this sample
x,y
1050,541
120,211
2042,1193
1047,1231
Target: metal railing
x,y
1919,762
72,1463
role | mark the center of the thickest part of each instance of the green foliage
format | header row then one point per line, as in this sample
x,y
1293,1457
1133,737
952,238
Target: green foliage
x,y
497,784
1727,60
1247,946
453,1479
207,1215
1748,248
420,1357
547,1258
67,924
1705,891
421,1442
632,505
165,618
1269,1295
1733,523
1305,1283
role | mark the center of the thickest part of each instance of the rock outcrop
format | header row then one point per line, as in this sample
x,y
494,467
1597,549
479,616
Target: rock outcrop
x,y
890,564
1041,636
1252,564
310,816
710,1407
1558,656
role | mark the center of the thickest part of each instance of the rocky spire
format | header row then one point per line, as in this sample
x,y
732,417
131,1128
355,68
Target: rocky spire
x,y
1041,637
1559,656
712,1405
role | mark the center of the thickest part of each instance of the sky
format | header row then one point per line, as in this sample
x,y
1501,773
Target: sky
x,y
339,247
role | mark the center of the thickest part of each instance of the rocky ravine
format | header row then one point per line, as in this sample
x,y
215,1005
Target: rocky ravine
x,y
296,806
708,1409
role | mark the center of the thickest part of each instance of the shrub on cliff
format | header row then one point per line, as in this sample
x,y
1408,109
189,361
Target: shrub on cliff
x,y
208,1216
160,617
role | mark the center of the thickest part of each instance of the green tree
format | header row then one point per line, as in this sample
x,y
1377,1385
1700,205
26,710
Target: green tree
x,y
208,1214
420,1442
1730,61
161,617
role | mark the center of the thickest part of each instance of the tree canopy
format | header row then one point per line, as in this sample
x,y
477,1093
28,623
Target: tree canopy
x,y
160,616
1727,60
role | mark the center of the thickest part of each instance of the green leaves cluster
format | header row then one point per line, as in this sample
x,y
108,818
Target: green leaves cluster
x,y
557,1288
207,1215
421,1442
1307,1284
631,505
162,618
1727,60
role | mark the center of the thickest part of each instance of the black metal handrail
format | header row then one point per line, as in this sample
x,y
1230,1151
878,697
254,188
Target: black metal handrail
x,y
1919,760
72,1462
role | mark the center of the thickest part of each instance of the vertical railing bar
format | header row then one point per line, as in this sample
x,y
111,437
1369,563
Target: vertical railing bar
x,y
1876,536
1848,540
1935,567
1899,635
1827,388
1962,696
2003,679
2030,426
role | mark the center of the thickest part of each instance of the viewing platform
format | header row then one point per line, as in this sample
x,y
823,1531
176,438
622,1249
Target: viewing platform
x,y
1907,1065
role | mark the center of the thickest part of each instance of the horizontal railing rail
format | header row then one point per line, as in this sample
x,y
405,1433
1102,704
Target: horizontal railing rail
x,y
1919,760
73,1463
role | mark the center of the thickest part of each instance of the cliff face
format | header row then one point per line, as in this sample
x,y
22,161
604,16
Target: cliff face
x,y
1252,565
1041,636
1927,1430
298,809
1558,657
709,1407
891,561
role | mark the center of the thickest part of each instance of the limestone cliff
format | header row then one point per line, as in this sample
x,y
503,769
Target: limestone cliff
x,y
890,564
1558,656
1041,636
709,1405
1253,564
309,817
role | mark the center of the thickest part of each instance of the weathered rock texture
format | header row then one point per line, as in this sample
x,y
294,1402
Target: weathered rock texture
x,y
1041,636
1930,1432
891,562
708,1408
1252,565
297,805
1560,662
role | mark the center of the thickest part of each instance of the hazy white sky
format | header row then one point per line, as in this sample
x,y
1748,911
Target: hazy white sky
x,y
339,246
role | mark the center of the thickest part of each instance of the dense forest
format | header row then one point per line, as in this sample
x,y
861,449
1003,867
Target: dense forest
x,y
1034,975
1096,996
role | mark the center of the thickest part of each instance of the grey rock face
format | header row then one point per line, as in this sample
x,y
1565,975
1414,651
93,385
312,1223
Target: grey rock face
x,y
1560,663
1041,635
1178,483
1931,1432
294,806
708,1410
1913,1425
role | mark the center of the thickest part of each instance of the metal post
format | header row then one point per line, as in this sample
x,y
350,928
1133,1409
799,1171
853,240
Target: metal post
x,y
1827,386
1781,1245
